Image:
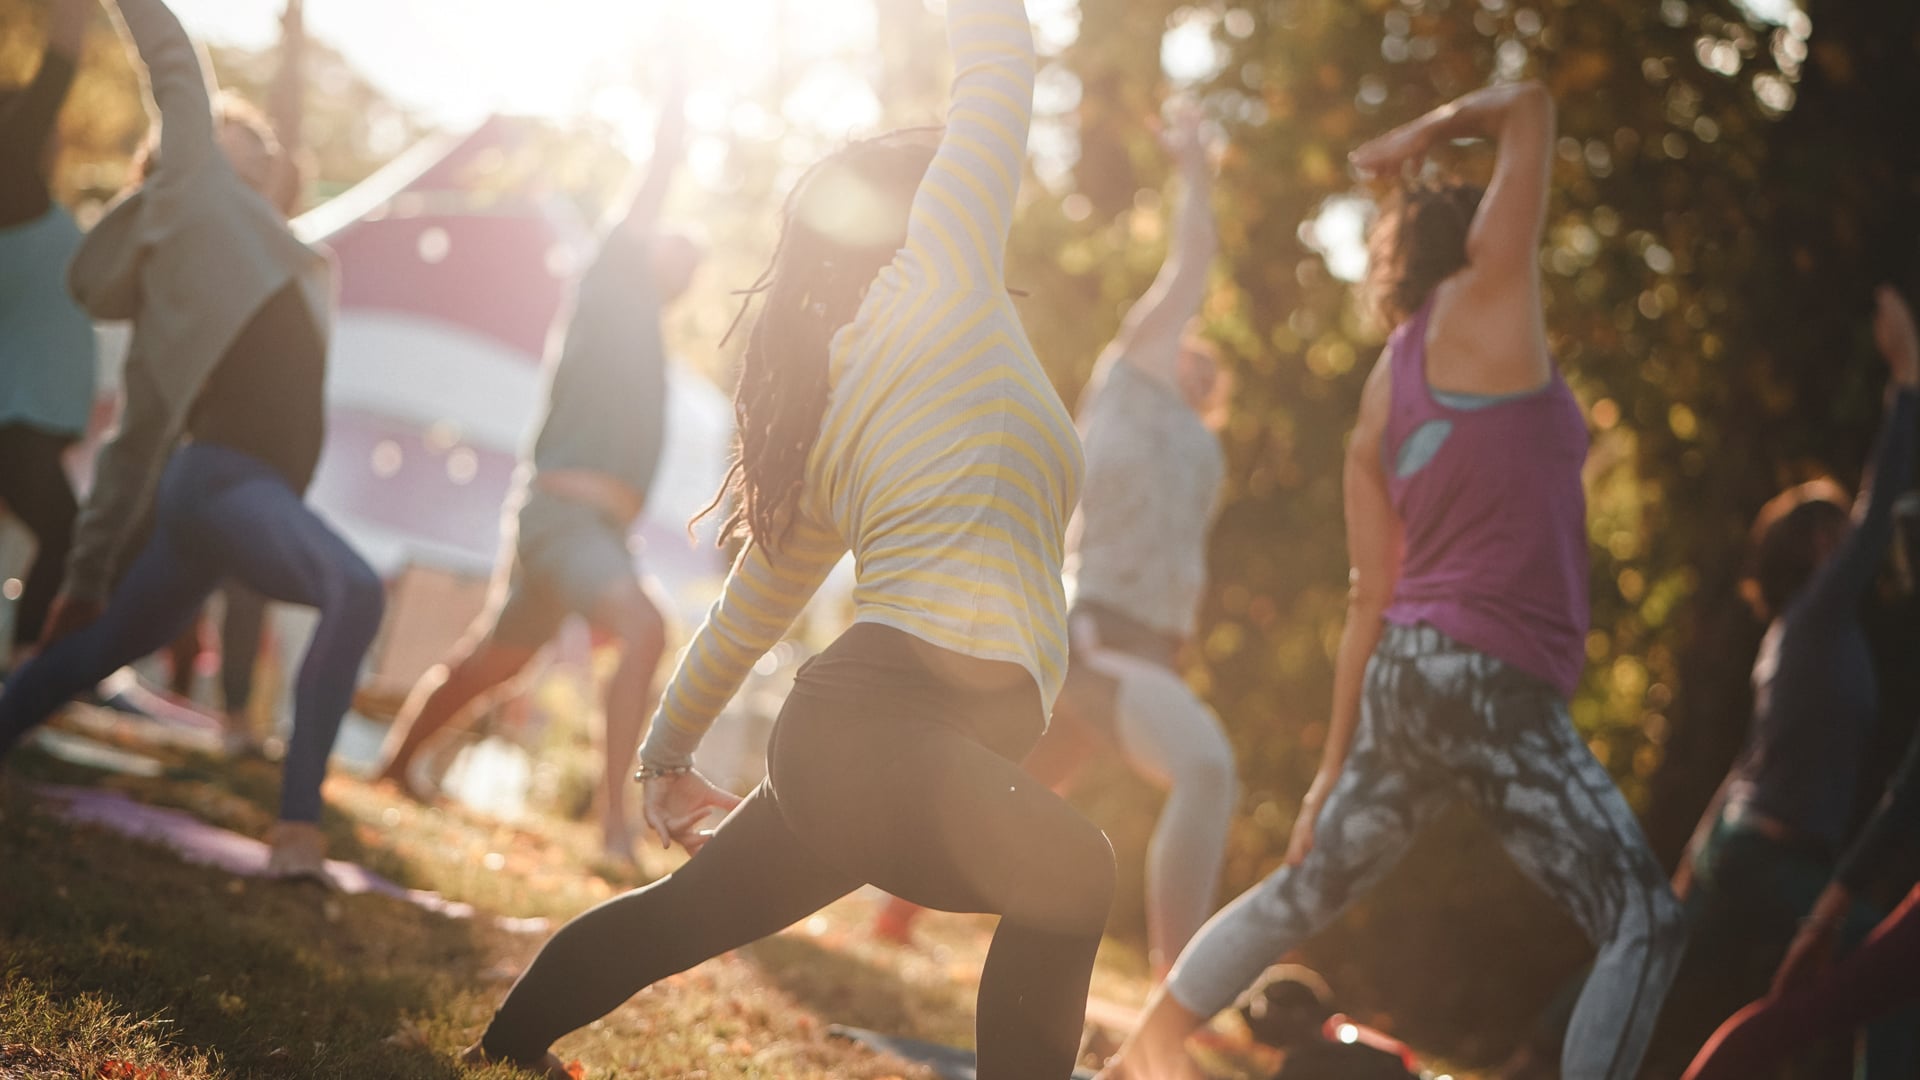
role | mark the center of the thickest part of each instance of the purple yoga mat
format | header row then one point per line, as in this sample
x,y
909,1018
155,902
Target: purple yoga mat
x,y
206,845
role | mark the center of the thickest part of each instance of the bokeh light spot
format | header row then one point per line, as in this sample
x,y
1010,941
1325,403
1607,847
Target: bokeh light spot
x,y
434,245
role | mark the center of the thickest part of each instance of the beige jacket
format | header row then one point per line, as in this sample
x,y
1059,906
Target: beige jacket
x,y
190,256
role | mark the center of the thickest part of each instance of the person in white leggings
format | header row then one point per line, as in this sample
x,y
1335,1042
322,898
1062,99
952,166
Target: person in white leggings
x,y
1136,555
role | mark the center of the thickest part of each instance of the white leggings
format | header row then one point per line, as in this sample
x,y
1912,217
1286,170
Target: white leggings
x,y
1171,738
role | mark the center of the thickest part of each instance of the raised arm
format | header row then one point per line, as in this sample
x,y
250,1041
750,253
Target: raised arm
x,y
1503,243
1373,552
957,229
642,214
67,32
179,87
286,105
1848,572
1149,337
27,123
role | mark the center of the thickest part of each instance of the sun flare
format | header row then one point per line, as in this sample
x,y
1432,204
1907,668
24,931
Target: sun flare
x,y
458,60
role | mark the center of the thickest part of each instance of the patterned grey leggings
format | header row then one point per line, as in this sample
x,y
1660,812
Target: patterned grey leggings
x,y
1441,721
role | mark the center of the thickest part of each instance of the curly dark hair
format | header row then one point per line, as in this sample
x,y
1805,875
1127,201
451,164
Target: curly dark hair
x,y
1418,241
843,222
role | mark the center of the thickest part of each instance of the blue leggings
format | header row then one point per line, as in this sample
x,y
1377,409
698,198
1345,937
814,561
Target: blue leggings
x,y
219,514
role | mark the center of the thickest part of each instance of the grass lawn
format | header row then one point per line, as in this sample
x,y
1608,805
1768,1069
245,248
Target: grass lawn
x,y
118,961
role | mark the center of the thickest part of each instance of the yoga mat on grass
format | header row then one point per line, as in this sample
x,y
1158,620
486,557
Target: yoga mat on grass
x,y
198,842
951,1062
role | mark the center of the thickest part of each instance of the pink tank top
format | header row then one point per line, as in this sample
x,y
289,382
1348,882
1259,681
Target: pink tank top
x,y
1494,515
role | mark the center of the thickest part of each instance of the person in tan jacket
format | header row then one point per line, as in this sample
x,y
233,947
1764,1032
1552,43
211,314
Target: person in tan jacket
x,y
220,430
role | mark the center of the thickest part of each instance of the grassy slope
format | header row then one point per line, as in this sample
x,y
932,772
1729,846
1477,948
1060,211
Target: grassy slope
x,y
119,961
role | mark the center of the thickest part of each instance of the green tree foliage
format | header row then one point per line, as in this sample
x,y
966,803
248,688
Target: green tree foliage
x,y
1725,190
352,128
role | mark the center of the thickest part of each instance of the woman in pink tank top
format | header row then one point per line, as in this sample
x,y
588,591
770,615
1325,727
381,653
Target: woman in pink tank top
x,y
1466,526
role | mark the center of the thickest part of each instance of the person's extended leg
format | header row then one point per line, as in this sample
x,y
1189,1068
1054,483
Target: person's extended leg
x,y
265,536
35,489
1171,738
752,879
447,693
894,793
522,613
242,616
870,781
160,593
625,611
183,658
1881,975
1383,798
1081,727
1565,825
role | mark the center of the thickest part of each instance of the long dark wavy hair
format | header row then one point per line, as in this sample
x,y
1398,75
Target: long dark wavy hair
x,y
843,222
1418,241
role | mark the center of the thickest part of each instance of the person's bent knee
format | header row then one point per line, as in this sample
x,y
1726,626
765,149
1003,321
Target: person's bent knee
x,y
357,595
1103,881
1071,888
1089,878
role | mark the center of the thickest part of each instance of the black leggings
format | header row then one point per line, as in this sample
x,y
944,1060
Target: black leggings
x,y
34,487
881,773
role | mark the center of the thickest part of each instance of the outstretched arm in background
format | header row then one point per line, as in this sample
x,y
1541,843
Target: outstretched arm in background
x,y
181,91
1837,587
1150,335
1853,565
1373,551
27,123
642,215
1841,581
103,281
286,107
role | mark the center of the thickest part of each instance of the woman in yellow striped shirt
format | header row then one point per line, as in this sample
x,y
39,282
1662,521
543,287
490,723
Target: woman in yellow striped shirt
x,y
889,405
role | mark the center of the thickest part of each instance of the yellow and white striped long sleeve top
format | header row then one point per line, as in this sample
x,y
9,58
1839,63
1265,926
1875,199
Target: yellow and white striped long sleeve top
x,y
946,462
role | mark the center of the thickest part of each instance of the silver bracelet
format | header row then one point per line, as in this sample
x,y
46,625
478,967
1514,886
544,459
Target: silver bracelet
x,y
648,772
